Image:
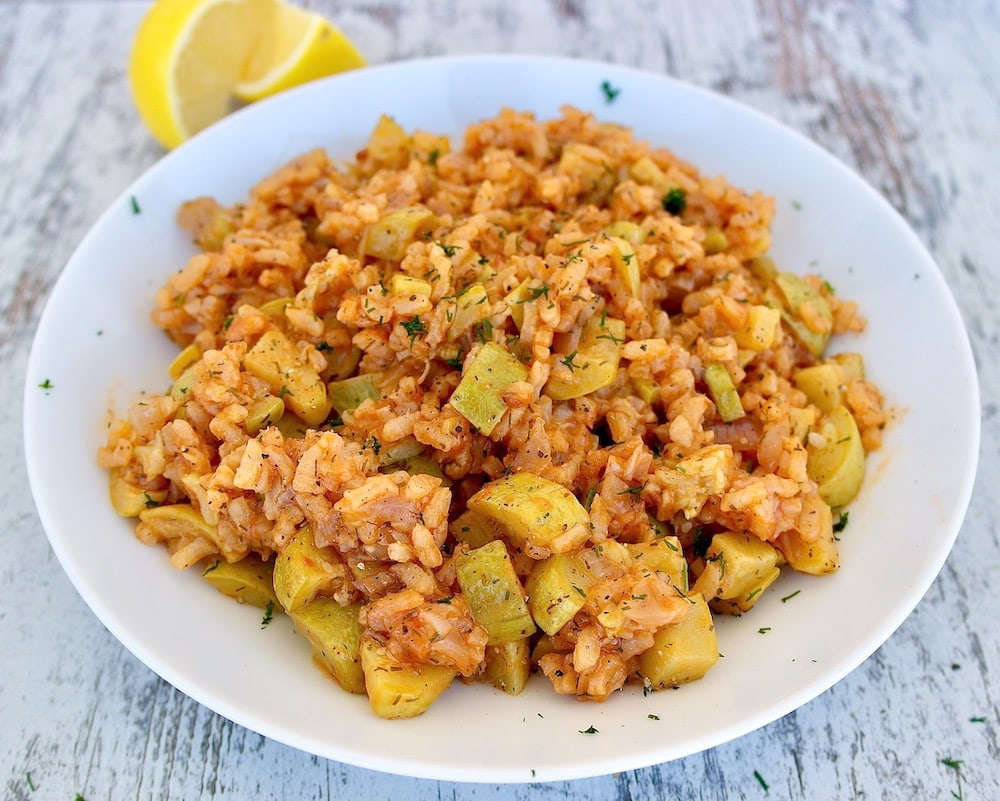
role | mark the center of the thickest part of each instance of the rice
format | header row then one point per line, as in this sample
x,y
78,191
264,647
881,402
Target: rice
x,y
400,267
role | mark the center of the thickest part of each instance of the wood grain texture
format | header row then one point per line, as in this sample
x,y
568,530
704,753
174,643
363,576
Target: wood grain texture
x,y
904,92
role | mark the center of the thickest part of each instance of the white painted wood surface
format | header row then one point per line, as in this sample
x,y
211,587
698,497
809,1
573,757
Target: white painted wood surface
x,y
905,92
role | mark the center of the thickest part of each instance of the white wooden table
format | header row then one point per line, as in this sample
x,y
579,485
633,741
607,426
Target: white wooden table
x,y
906,93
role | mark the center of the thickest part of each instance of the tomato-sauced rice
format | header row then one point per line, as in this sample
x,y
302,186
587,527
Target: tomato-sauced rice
x,y
656,357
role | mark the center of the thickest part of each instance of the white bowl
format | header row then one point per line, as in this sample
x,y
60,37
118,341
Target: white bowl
x,y
96,348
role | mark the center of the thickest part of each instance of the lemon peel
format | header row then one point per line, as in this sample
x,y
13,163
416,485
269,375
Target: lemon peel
x,y
193,61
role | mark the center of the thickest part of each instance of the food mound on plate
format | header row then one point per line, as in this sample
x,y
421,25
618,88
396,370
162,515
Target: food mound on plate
x,y
542,404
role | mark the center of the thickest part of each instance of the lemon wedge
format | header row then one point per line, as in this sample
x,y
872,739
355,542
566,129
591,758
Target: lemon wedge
x,y
299,47
193,61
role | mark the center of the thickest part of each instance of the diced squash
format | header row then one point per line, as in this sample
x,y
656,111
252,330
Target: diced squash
x,y
349,393
303,571
557,590
763,268
723,392
594,364
537,515
424,464
738,568
479,395
646,389
400,690
183,360
684,651
264,412
129,500
395,453
389,143
823,384
836,457
797,293
515,300
816,558
291,427
626,262
248,581
803,420
646,171
471,307
630,231
664,556
182,386
334,632
429,147
494,592
589,167
715,240
760,330
178,521
473,529
393,233
275,360
402,285
275,308
508,665
342,360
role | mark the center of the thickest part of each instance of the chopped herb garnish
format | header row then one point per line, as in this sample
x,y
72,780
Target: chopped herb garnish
x,y
445,600
135,205
31,784
797,205
568,361
79,798
635,491
432,157
977,720
580,591
265,621
212,567
375,445
651,716
589,499
955,765
760,780
150,502
46,384
841,522
449,250
323,347
763,629
589,730
789,597
675,201
484,330
455,362
610,92
227,322
284,391
414,326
